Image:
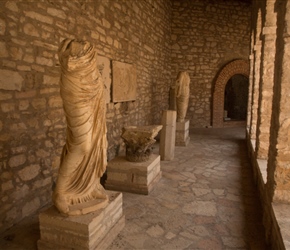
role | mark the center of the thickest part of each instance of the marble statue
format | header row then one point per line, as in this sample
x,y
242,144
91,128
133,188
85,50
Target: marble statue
x,y
139,141
182,94
84,160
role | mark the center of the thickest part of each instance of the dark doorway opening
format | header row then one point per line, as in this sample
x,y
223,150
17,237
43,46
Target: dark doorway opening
x,y
236,98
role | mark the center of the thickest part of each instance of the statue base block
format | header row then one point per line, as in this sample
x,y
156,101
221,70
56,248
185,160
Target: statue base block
x,y
167,135
133,177
95,230
182,133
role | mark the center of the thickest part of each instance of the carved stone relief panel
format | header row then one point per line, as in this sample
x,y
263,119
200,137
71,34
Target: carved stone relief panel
x,y
124,82
104,66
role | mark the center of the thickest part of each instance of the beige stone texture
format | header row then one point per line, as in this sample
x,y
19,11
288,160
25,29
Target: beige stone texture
x,y
182,133
23,105
133,177
55,102
50,80
167,136
104,66
139,141
29,172
7,185
39,103
25,94
200,47
124,82
268,126
44,61
10,80
182,92
11,6
5,96
120,32
31,206
56,12
203,208
2,26
84,156
3,50
172,98
267,80
91,231
30,30
17,160
7,107
39,17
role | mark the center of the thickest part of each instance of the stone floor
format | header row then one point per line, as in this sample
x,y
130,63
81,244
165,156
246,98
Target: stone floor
x,y
205,199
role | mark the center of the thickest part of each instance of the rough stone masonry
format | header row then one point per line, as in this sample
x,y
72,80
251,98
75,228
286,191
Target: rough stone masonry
x,y
158,37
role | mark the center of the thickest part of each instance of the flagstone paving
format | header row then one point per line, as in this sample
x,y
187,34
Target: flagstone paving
x,y
206,199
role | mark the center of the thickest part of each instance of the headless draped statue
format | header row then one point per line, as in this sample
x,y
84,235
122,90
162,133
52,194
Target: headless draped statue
x,y
84,157
182,94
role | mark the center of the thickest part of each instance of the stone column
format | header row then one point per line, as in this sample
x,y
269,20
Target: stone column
x,y
255,89
167,136
278,170
256,79
266,83
251,77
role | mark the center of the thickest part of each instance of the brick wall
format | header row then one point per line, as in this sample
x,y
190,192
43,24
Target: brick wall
x,y
206,35
236,67
32,125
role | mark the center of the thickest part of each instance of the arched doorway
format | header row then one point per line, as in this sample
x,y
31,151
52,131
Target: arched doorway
x,y
236,98
237,67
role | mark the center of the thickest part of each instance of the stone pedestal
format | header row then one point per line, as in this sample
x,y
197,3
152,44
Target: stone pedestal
x,y
167,136
95,230
182,133
133,177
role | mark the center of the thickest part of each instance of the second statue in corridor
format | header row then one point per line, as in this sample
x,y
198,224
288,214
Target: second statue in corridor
x,y
182,95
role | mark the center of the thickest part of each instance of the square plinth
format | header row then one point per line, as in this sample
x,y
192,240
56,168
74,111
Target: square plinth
x,y
95,230
182,133
133,177
167,135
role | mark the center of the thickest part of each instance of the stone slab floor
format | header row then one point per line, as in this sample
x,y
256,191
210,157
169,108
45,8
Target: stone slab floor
x,y
206,199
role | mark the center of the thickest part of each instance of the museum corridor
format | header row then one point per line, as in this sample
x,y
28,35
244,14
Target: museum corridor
x,y
206,199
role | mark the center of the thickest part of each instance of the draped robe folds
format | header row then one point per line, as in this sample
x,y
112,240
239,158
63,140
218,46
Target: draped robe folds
x,y
84,156
182,95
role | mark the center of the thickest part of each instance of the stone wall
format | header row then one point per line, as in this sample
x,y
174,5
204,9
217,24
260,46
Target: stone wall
x,y
206,35
32,125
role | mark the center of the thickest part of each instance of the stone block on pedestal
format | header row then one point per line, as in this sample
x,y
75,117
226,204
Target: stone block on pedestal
x,y
133,177
182,133
167,136
139,141
94,230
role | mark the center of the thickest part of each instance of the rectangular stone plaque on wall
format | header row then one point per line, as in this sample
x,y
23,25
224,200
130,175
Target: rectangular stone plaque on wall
x,y
124,82
104,66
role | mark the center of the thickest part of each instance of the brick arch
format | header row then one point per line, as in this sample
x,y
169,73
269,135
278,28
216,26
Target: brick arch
x,y
237,67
